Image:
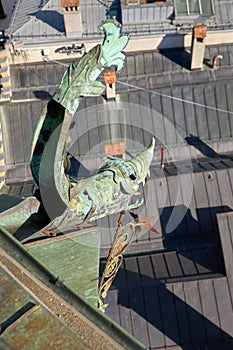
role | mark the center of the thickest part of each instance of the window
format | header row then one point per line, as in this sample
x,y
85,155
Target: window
x,y
194,8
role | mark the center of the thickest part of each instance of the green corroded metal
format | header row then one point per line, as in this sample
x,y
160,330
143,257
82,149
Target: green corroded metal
x,y
100,194
12,296
52,130
27,325
86,313
75,261
79,79
14,211
114,188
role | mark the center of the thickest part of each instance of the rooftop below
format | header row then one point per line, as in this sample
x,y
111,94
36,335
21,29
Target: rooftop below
x,y
43,20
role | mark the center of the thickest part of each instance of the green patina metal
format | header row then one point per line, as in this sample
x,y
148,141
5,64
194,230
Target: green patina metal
x,y
53,127
75,261
113,189
42,330
24,324
46,328
14,211
12,297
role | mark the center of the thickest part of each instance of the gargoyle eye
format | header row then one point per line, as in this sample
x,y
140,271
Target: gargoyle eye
x,y
132,177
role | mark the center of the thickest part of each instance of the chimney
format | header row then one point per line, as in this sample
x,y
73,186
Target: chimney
x,y
72,17
198,46
110,81
115,149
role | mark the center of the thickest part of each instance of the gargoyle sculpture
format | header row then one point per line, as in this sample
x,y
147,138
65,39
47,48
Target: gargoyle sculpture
x,y
112,188
115,186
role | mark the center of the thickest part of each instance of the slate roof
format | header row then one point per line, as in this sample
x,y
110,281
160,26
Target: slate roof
x,y
32,20
176,298
22,12
174,289
175,315
154,80
223,11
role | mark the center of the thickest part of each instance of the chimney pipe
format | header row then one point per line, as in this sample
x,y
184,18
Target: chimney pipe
x,y
110,81
72,17
198,46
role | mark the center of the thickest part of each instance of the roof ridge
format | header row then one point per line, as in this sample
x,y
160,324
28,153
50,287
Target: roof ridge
x,y
19,18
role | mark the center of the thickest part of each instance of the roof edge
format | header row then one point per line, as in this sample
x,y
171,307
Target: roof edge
x,y
17,251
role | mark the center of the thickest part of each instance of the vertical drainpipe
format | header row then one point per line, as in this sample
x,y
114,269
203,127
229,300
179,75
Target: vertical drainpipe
x,y
2,160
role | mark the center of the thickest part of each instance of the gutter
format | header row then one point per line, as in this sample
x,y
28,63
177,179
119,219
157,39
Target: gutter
x,y
11,246
33,52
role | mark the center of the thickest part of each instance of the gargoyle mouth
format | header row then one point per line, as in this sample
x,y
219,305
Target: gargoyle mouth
x,y
141,163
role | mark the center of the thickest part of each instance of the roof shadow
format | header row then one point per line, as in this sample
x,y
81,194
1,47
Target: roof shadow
x,y
177,221
52,18
115,10
167,315
178,54
42,94
76,169
161,314
197,240
202,147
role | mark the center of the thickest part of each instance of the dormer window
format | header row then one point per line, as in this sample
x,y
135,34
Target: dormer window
x,y
194,8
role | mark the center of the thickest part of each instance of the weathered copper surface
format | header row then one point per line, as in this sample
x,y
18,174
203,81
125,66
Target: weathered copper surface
x,y
18,211
12,296
51,136
85,321
25,324
75,261
113,189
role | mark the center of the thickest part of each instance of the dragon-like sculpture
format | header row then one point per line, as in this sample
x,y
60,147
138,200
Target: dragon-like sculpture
x,y
115,186
112,188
